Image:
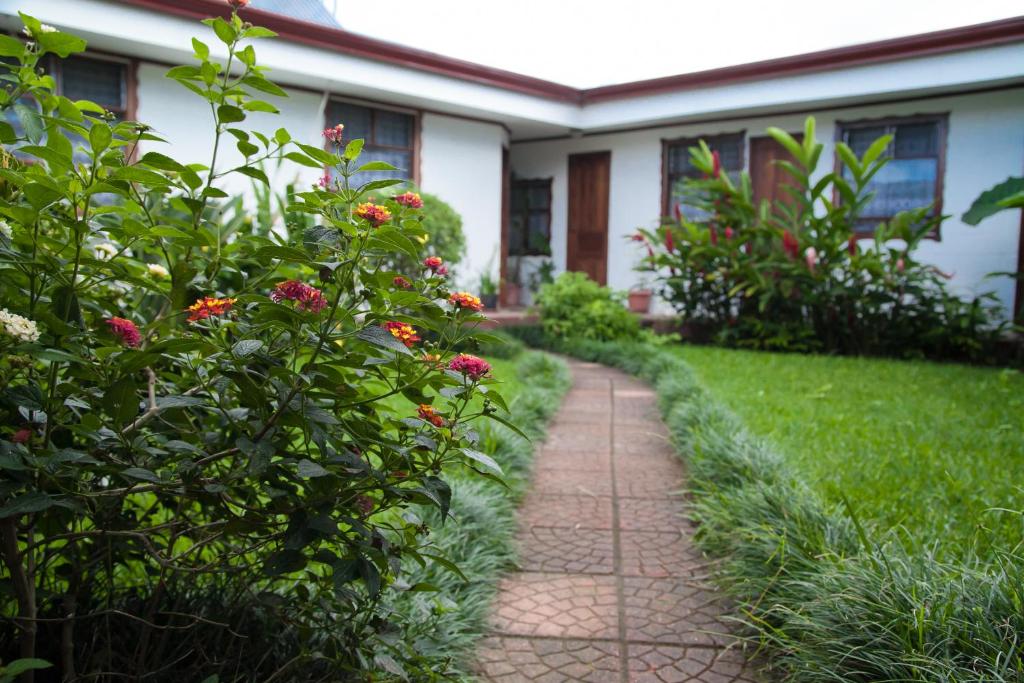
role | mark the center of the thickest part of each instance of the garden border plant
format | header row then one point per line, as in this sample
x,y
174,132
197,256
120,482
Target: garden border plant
x,y
828,598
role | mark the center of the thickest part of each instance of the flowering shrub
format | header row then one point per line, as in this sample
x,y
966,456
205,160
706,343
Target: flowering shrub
x,y
576,306
795,275
213,432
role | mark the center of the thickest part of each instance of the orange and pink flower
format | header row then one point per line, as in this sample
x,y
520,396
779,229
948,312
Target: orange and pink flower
x,y
334,134
470,366
410,199
401,283
374,214
403,332
466,300
208,307
436,265
428,414
307,298
125,331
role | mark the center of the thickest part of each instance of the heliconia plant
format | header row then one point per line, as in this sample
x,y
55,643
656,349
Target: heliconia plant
x,y
798,274
212,434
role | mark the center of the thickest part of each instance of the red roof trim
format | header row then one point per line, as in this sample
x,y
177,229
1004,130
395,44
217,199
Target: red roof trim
x,y
339,40
950,40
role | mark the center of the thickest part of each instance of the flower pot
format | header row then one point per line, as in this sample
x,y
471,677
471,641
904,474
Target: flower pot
x,y
490,301
640,300
513,295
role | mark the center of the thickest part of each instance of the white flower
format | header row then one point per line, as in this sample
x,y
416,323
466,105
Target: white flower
x,y
5,230
43,28
158,271
19,327
104,251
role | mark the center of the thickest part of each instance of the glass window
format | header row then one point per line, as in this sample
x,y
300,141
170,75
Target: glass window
x,y
912,177
529,231
680,167
389,136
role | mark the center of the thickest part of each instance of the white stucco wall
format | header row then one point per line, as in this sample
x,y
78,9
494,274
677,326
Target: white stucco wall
x,y
985,145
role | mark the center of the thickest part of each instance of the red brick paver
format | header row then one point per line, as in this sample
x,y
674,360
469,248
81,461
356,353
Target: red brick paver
x,y
610,587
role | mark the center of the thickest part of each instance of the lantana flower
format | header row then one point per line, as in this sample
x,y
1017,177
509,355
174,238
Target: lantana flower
x,y
401,283
410,199
335,134
436,265
19,327
325,180
466,300
306,297
374,214
209,306
125,331
428,414
470,366
157,271
403,332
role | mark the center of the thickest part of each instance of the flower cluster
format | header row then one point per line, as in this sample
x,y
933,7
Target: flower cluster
x,y
326,181
335,134
466,300
125,331
410,199
307,298
209,306
18,327
435,265
470,366
428,414
401,283
374,214
403,332
157,271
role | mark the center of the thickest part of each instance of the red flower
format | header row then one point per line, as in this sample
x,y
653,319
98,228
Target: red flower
x,y
790,244
325,180
428,414
238,4
638,237
334,134
436,265
23,435
364,504
307,298
466,300
670,243
209,306
401,283
374,214
729,233
677,212
125,331
470,366
403,332
714,237
716,164
410,199
851,245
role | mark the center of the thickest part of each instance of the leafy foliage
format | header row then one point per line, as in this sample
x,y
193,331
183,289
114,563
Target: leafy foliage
x,y
206,419
796,274
442,236
1008,194
575,305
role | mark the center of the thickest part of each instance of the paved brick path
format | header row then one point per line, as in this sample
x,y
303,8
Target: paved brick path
x,y
610,588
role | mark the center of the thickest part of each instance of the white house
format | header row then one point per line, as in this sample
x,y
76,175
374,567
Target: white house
x,y
528,162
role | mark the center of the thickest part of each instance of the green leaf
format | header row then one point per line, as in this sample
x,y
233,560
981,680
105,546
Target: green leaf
x,y
160,161
59,43
168,402
120,400
223,29
377,166
260,105
378,336
246,347
36,501
263,85
487,461
20,666
202,49
251,172
303,160
11,47
258,32
990,201
141,474
353,148
99,136
309,469
227,113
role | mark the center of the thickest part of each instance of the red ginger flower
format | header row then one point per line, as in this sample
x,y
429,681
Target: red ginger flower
x,y
374,214
436,265
125,331
307,298
790,244
209,306
470,366
851,245
428,414
714,237
466,300
334,134
716,164
410,199
670,243
401,283
403,332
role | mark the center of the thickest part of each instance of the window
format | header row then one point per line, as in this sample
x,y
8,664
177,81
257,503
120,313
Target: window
x,y
913,177
389,135
529,226
679,167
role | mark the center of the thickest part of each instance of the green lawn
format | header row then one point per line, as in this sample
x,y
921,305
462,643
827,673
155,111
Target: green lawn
x,y
931,448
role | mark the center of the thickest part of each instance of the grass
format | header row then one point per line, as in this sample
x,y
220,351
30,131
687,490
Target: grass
x,y
936,450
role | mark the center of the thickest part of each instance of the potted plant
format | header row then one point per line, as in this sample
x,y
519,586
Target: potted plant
x,y
640,299
488,290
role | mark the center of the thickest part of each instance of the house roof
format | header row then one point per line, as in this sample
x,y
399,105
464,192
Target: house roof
x,y
337,39
304,10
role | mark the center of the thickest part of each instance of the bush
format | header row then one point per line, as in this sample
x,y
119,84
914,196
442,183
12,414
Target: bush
x,y
575,305
442,236
205,467
795,276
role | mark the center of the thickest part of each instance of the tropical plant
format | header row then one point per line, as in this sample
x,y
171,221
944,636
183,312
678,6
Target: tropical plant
x,y
576,306
215,433
798,275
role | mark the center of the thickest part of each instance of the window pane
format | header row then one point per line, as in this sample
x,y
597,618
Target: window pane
x,y
859,139
538,197
903,184
95,80
393,129
356,120
678,158
917,140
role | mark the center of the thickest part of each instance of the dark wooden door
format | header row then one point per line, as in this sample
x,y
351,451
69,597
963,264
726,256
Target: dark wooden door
x,y
589,177
767,177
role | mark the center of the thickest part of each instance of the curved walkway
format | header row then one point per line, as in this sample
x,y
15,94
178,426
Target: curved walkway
x,y
610,587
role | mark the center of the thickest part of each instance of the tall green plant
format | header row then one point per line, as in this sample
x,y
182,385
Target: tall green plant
x,y
200,438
